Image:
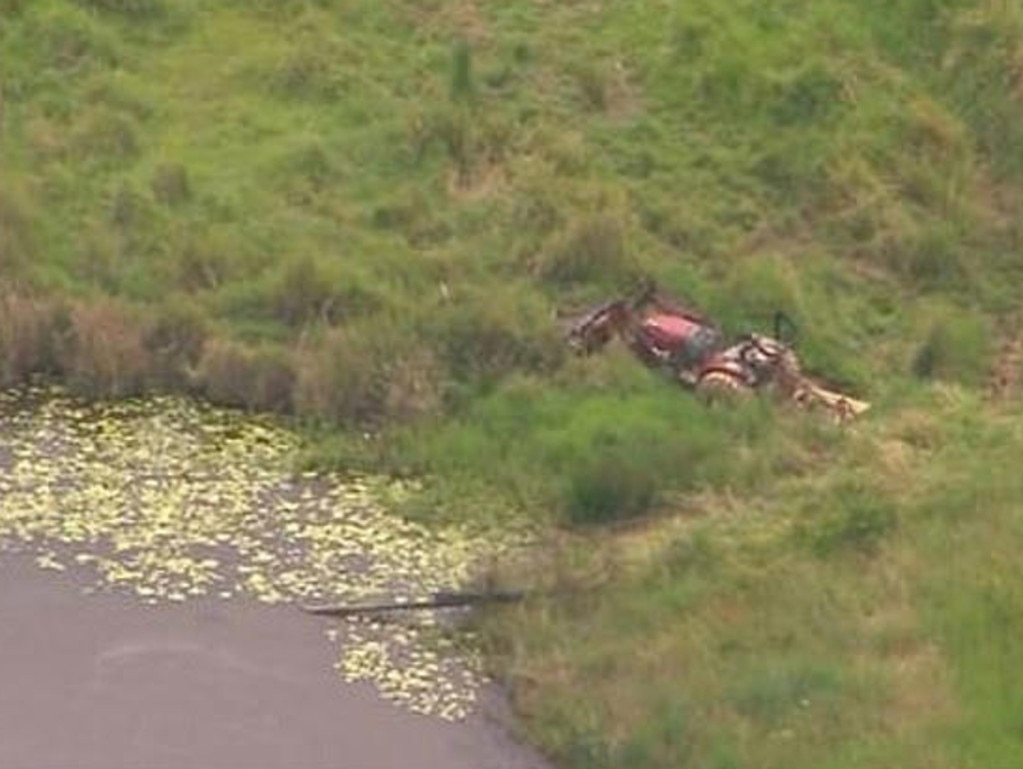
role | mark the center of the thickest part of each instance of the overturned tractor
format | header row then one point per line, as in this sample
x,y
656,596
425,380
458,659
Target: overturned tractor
x,y
694,351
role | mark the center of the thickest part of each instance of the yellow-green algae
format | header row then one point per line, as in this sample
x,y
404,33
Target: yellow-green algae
x,y
171,499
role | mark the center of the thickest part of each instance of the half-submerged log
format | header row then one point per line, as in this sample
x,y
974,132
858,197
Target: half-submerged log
x,y
441,600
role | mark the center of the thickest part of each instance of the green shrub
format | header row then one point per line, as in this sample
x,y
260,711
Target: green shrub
x,y
69,39
756,288
810,94
18,240
595,456
935,261
594,87
414,215
473,140
487,335
852,519
313,162
209,259
463,87
310,69
593,249
121,92
958,348
104,135
304,293
611,486
128,208
170,184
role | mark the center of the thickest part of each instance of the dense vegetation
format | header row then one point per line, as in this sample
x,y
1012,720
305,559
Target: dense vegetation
x,y
365,214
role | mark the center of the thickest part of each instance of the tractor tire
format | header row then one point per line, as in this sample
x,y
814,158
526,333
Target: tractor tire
x,y
722,387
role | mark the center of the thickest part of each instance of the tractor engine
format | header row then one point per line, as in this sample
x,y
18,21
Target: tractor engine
x,y
754,362
680,341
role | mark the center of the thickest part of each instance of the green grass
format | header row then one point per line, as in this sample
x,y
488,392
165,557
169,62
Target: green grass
x,y
366,215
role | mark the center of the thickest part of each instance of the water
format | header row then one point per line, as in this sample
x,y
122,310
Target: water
x,y
174,543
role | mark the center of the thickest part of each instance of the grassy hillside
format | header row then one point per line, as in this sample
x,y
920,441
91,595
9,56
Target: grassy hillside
x,y
365,214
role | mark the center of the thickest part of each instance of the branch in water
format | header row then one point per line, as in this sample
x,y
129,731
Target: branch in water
x,y
442,600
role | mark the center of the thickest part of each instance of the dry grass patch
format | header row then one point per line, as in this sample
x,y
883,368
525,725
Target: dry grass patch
x,y
105,355
26,337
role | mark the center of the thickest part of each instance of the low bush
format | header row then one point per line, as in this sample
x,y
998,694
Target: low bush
x,y
757,287
474,140
490,334
593,248
106,136
175,338
591,456
209,259
311,161
370,374
957,348
310,69
342,380
304,293
70,39
416,385
129,209
170,184
935,260
853,518
610,486
104,355
26,330
253,378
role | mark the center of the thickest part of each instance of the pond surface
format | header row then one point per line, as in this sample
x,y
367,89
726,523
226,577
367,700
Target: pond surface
x,y
152,555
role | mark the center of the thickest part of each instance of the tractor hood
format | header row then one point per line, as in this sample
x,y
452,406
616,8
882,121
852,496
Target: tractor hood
x,y
670,331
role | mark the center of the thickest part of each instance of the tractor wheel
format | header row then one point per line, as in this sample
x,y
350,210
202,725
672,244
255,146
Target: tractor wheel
x,y
721,386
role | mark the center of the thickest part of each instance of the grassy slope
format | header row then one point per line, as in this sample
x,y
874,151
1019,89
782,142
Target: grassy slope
x,y
304,186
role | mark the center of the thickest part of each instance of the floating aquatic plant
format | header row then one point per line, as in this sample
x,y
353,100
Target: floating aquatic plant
x,y
169,499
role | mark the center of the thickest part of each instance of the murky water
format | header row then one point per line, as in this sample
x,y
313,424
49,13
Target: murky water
x,y
168,503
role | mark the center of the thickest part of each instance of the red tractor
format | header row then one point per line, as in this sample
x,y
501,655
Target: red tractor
x,y
666,335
